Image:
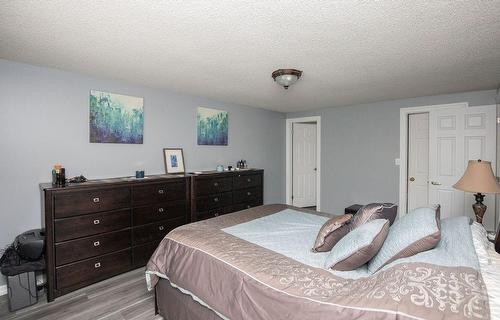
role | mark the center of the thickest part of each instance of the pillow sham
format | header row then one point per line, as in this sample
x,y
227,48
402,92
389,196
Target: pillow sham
x,y
331,232
374,211
417,231
358,246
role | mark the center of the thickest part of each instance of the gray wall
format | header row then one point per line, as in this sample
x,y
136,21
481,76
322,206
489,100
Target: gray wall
x,y
359,144
44,120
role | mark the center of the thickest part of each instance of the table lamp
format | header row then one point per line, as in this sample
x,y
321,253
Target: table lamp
x,y
478,179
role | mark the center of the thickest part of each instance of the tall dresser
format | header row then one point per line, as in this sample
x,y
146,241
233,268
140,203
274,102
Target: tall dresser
x,y
101,228
215,193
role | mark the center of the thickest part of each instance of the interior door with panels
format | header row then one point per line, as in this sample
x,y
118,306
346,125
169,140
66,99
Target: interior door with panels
x,y
480,143
458,135
304,165
446,160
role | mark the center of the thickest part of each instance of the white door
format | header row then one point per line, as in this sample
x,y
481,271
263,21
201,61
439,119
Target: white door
x,y
418,160
480,143
456,136
304,164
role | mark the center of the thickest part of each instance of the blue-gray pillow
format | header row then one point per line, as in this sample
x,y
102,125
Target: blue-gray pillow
x,y
417,231
358,246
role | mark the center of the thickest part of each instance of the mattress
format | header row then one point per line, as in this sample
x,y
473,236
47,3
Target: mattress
x,y
241,278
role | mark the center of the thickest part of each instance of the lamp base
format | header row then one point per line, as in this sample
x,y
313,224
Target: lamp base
x,y
479,207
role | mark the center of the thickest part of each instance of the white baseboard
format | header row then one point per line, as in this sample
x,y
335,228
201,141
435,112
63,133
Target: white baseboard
x,y
3,290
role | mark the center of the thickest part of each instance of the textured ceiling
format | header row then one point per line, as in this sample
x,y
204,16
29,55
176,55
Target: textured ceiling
x,y
351,52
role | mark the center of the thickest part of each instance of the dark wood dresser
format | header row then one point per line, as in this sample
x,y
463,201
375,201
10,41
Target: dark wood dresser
x,y
215,193
101,228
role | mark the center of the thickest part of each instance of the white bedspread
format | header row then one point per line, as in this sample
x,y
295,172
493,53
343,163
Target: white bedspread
x,y
489,262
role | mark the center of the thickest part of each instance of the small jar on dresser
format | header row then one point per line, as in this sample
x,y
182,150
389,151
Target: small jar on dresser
x,y
100,228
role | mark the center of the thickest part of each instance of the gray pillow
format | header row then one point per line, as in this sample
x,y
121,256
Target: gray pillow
x,y
331,232
374,211
358,246
417,231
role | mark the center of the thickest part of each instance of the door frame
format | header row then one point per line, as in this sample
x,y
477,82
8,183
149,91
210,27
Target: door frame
x,y
289,157
403,146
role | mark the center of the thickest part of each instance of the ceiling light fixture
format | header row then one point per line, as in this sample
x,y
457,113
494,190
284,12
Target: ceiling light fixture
x,y
286,77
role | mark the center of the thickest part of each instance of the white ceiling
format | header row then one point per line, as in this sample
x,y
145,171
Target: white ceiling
x,y
351,52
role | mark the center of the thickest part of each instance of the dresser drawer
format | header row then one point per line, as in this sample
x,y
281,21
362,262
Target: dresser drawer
x,y
156,230
75,203
242,181
213,213
247,205
162,211
75,250
158,192
213,185
244,195
87,225
93,269
213,201
143,252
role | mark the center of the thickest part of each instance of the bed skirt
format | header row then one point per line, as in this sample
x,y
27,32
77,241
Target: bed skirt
x,y
175,305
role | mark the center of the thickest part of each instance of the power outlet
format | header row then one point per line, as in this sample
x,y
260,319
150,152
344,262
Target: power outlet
x,y
397,161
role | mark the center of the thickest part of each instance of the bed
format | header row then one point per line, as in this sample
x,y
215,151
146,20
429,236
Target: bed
x,y
257,264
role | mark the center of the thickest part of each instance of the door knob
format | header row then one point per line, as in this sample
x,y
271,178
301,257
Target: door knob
x,y
434,183
412,179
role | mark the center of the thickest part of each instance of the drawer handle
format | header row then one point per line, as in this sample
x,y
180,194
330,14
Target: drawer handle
x,y
97,243
161,228
97,221
249,193
216,214
161,210
216,199
249,180
97,265
216,184
96,200
161,191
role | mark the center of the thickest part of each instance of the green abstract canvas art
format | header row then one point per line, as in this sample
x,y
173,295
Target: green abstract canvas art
x,y
116,118
212,127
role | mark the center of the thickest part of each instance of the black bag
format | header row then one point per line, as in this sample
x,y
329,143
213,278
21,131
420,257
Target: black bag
x,y
12,264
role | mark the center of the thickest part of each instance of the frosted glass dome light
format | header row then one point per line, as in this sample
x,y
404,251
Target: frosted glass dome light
x,y
286,77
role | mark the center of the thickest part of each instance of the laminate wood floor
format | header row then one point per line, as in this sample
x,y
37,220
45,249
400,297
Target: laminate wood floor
x,y
124,297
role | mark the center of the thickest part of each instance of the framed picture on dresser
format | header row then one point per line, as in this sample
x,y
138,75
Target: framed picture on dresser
x,y
174,160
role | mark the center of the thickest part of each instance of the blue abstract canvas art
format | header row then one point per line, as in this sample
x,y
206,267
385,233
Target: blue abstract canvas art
x,y
212,127
116,118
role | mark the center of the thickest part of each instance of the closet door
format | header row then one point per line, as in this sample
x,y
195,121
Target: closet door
x,y
480,143
457,135
418,160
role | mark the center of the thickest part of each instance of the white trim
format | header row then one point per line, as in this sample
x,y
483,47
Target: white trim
x,y
403,145
288,160
3,290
